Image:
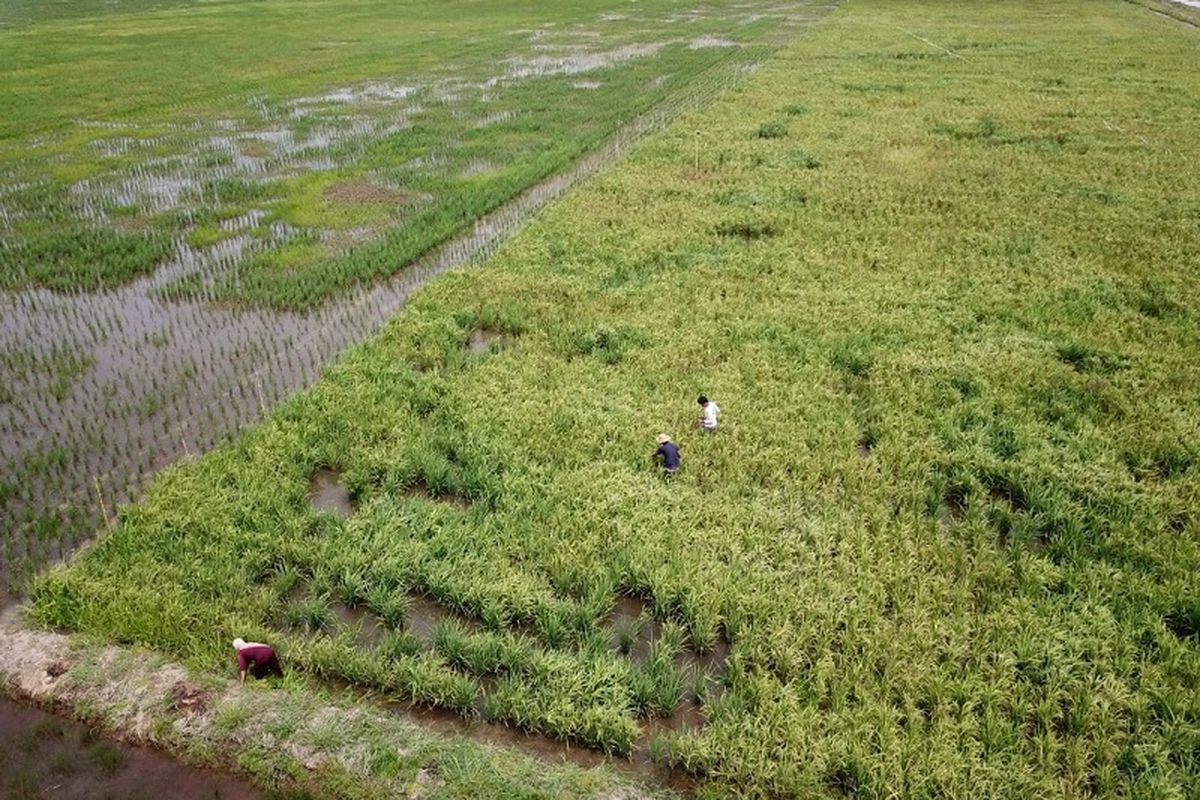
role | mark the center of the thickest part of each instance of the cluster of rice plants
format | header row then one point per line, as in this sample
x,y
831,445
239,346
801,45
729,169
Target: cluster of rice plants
x,y
948,522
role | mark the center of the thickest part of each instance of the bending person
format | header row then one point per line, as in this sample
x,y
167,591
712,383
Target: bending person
x,y
256,658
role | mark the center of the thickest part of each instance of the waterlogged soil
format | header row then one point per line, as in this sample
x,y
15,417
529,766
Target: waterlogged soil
x,y
360,192
327,493
481,340
43,755
421,621
368,628
634,615
421,492
638,764
423,617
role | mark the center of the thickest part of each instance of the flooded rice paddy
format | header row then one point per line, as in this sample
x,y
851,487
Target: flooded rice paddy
x,y
99,390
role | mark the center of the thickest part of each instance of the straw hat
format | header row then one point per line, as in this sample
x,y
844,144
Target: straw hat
x,y
239,643
663,438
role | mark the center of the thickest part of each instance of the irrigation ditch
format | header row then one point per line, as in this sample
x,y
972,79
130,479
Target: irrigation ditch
x,y
44,754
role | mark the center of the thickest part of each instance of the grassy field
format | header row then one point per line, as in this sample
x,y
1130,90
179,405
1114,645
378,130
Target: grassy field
x,y
344,149
936,263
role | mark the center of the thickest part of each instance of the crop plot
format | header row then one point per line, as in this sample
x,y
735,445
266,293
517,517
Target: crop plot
x,y
170,276
346,184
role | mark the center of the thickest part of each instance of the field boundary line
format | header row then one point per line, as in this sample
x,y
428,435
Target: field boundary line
x,y
1164,14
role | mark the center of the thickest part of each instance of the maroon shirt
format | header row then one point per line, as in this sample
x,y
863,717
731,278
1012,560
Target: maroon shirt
x,y
255,653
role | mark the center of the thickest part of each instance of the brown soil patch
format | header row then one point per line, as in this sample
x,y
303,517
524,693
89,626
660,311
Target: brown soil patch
x,y
189,699
481,340
362,193
422,492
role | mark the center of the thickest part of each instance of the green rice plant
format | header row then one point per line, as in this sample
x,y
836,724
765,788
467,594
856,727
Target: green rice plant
x,y
311,613
483,654
552,627
398,644
285,582
557,699
353,587
658,686
391,605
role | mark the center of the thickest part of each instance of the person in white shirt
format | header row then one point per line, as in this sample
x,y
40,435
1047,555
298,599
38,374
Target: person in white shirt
x,y
708,414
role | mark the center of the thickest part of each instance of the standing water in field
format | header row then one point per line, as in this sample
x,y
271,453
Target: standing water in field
x,y
45,755
327,493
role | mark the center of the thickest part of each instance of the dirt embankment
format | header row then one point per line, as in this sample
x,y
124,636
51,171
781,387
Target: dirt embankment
x,y
139,697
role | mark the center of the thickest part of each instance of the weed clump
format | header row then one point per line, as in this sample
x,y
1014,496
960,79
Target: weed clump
x,y
771,130
747,230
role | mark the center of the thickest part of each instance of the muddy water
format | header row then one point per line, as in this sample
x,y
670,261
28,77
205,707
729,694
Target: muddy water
x,y
327,493
368,628
421,492
421,620
481,340
423,617
45,755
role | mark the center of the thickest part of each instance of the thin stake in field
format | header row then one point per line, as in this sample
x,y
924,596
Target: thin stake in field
x,y
938,46
100,497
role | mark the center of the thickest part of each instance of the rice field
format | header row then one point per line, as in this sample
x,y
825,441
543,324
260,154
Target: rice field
x,y
173,271
936,262
290,170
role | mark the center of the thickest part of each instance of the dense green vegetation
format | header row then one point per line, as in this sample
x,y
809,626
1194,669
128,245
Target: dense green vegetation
x,y
936,263
343,151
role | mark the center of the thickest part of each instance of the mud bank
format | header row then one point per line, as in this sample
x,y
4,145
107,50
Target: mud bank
x,y
283,739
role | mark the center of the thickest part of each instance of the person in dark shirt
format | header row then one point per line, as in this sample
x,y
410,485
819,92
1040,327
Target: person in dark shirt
x,y
256,658
668,455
